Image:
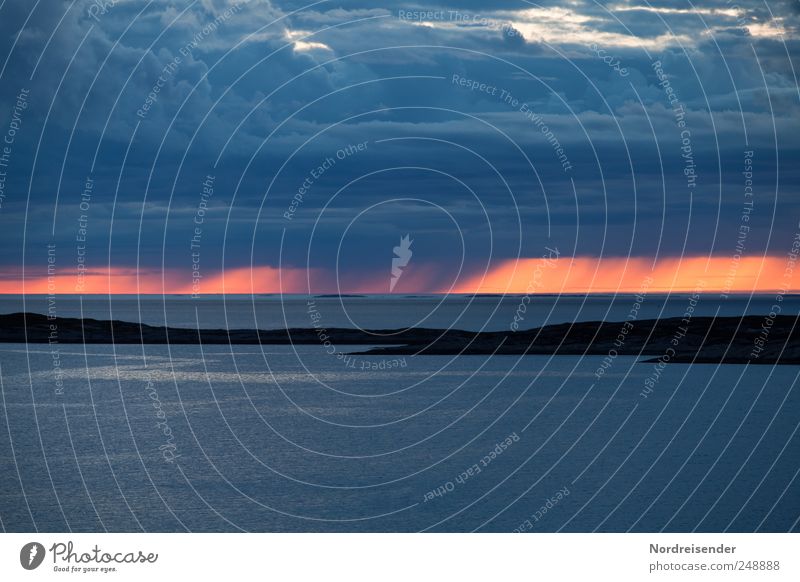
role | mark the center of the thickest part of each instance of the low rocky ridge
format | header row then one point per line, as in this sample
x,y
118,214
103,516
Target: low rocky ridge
x,y
753,339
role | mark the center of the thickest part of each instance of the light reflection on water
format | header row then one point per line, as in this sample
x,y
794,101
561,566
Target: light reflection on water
x,y
273,447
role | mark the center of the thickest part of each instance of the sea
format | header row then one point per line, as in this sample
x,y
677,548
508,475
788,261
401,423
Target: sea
x,y
311,438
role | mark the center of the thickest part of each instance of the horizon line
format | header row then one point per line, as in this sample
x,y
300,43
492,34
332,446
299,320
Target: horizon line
x,y
550,274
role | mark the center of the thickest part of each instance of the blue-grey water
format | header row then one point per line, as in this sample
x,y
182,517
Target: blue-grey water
x,y
304,438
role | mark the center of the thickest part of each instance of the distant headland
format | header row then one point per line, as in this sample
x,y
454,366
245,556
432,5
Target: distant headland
x,y
734,340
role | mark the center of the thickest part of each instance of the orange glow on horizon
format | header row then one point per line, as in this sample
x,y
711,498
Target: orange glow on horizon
x,y
551,274
128,281
527,275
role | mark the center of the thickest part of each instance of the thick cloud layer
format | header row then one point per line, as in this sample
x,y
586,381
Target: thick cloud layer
x,y
605,129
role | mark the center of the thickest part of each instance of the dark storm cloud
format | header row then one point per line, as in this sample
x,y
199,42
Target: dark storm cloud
x,y
260,94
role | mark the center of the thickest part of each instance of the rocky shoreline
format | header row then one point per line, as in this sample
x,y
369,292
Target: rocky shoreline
x,y
738,340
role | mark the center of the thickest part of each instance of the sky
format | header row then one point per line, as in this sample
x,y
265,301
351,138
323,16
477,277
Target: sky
x,y
277,146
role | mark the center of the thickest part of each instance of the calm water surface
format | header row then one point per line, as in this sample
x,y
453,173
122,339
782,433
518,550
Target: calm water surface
x,y
220,438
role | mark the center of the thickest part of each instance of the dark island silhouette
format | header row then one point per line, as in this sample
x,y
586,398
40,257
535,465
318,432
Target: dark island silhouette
x,y
734,340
